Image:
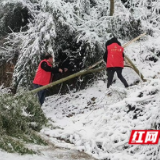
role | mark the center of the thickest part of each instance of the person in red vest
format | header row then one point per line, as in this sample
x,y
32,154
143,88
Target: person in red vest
x,y
44,75
114,58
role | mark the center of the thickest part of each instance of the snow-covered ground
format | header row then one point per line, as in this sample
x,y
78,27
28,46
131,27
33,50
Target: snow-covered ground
x,y
100,124
48,154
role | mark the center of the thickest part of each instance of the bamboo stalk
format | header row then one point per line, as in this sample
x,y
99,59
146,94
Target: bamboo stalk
x,y
133,40
95,64
111,7
130,62
125,45
90,70
66,79
127,58
135,68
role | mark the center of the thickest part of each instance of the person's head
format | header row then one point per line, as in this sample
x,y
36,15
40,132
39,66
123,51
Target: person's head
x,y
112,40
49,58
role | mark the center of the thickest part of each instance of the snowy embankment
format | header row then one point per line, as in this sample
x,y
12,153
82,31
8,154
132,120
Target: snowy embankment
x,y
100,124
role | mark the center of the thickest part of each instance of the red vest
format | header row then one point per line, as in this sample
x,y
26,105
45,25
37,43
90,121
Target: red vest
x,y
42,77
115,56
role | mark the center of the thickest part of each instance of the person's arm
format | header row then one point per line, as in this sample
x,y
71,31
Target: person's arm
x,y
47,68
105,56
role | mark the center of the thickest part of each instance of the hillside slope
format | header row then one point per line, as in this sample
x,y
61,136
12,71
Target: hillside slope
x,y
100,124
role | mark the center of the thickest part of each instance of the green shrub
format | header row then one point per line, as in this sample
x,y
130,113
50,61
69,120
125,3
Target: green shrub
x,y
20,117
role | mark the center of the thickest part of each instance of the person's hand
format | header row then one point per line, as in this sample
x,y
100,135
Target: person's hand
x,y
60,70
65,69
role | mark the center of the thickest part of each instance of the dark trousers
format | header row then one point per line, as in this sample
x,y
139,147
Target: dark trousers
x,y
110,74
41,94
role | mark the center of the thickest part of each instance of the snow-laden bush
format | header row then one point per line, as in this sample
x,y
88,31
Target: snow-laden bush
x,y
147,11
13,17
20,117
3,90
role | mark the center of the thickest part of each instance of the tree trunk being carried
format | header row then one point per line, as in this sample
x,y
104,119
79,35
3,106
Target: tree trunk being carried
x,y
90,70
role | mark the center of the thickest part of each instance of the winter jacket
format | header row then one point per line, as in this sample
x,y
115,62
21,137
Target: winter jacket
x,y
44,72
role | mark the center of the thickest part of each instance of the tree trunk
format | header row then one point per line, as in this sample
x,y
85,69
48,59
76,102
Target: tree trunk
x,y
111,7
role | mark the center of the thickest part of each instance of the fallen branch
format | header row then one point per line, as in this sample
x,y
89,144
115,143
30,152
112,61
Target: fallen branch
x,y
83,72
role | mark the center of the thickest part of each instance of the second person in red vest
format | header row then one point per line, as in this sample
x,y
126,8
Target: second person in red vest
x,y
114,59
44,75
